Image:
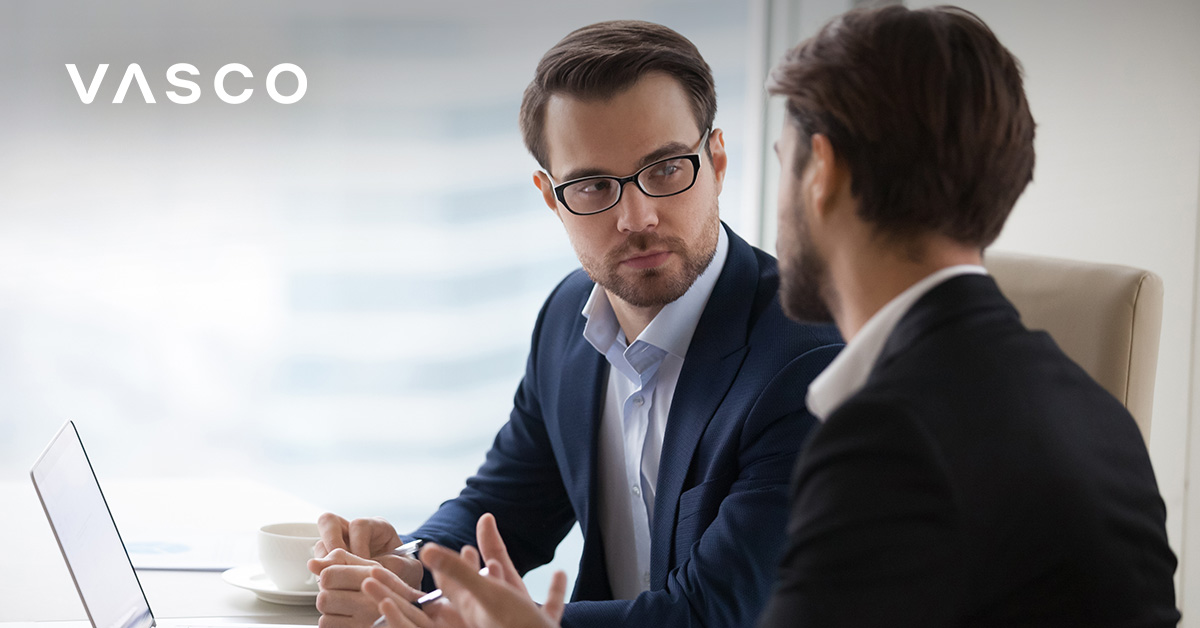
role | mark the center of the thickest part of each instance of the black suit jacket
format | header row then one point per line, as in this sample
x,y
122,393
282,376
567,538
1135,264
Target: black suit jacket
x,y
979,478
735,426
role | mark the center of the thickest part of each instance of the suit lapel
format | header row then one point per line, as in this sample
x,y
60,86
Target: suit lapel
x,y
578,409
579,406
713,361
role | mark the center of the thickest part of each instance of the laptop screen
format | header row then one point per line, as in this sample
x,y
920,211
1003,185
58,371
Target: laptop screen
x,y
87,535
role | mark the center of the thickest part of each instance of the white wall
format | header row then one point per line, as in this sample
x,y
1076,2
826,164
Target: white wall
x,y
1114,86
1115,89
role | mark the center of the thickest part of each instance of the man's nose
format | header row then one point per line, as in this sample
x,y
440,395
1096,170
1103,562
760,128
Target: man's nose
x,y
635,211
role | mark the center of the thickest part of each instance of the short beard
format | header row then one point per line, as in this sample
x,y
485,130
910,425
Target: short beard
x,y
653,287
805,288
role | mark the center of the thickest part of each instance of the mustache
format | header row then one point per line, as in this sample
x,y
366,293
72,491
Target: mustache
x,y
642,242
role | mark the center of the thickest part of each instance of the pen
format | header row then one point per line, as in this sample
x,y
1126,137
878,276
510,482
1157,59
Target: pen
x,y
437,593
409,549
424,599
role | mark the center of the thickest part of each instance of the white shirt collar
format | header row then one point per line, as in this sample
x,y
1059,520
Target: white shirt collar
x,y
672,329
848,372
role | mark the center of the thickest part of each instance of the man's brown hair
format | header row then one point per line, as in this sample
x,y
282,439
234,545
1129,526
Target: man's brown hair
x,y
928,111
599,61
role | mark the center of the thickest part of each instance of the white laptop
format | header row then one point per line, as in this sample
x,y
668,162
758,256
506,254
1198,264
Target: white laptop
x,y
88,538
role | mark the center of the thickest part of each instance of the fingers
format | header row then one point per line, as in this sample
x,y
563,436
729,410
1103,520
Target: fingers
x,y
395,605
487,534
339,621
333,534
409,569
345,577
556,596
497,571
491,545
486,600
391,582
360,537
455,573
335,558
369,537
403,615
469,554
446,615
341,598
346,608
355,605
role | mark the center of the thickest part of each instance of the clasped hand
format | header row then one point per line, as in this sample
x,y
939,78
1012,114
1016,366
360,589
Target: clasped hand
x,y
345,556
361,580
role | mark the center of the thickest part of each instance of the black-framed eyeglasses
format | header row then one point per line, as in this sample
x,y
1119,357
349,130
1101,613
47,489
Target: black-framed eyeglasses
x,y
666,177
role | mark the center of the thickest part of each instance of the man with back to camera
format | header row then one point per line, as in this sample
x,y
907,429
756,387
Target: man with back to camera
x,y
673,450
966,473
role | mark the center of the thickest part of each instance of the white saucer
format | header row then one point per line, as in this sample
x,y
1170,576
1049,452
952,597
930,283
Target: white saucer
x,y
252,577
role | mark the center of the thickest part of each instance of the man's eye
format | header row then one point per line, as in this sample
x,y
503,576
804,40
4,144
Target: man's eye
x,y
598,186
666,169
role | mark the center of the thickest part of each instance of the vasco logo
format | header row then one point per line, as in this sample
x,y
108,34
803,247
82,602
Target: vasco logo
x,y
134,73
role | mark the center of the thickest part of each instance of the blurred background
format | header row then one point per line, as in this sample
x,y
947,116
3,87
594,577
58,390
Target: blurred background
x,y
335,297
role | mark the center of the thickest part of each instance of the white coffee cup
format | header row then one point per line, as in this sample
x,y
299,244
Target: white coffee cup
x,y
284,550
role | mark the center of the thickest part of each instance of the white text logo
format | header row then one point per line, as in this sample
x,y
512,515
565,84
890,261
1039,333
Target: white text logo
x,y
134,74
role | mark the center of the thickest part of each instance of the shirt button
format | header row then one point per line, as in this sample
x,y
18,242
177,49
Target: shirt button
x,y
646,579
638,401
637,492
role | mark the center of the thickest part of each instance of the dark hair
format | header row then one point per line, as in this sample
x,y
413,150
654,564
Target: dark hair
x,y
927,110
601,60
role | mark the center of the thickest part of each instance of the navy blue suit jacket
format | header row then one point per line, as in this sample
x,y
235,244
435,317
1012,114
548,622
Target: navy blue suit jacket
x,y
736,423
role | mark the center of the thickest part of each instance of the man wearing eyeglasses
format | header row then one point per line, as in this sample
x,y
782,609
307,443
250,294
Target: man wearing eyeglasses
x,y
662,406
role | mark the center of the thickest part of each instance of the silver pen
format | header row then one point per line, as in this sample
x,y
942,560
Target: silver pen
x,y
424,599
409,549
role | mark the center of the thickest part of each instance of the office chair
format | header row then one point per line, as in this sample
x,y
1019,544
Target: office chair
x,y
1105,317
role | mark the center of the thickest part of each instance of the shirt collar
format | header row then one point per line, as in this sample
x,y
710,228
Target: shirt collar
x,y
848,372
672,329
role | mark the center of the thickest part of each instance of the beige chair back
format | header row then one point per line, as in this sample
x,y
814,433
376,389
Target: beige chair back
x,y
1105,317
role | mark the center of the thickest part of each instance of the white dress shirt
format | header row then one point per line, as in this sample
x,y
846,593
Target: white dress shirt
x,y
848,372
641,384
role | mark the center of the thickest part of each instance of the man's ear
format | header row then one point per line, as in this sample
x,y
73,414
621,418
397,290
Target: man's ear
x,y
720,161
542,181
826,175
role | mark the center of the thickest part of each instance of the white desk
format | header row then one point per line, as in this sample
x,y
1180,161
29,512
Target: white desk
x,y
36,586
